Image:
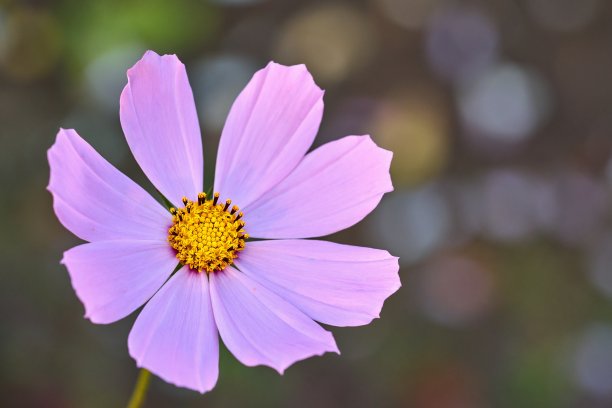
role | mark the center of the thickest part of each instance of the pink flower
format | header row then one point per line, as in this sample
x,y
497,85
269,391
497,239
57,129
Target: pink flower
x,y
263,297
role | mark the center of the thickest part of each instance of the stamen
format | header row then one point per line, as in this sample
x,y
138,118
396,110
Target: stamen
x,y
201,198
206,236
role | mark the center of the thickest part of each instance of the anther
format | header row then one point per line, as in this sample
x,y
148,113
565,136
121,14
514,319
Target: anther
x,y
239,216
216,198
172,210
227,204
185,200
201,198
234,209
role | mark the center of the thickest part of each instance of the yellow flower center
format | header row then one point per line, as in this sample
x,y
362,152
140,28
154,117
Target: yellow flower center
x,y
207,235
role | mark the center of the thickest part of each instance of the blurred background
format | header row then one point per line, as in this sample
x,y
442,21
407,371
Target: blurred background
x,y
499,114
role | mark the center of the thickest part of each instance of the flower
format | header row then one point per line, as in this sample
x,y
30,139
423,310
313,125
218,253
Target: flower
x,y
261,296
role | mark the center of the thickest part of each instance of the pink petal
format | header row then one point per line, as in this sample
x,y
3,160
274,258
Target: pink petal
x,y
259,327
335,284
97,202
268,131
334,187
175,336
114,278
160,123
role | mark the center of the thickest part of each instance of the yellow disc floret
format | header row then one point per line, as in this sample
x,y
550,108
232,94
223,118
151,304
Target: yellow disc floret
x,y
207,235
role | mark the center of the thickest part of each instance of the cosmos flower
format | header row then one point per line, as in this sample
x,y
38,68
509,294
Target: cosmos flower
x,y
261,296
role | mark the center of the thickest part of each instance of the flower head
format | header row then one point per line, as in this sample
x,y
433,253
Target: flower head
x,y
261,296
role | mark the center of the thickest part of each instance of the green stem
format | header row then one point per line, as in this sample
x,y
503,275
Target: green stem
x,y
140,390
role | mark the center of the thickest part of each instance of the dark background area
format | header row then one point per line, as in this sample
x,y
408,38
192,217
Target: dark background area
x,y
499,114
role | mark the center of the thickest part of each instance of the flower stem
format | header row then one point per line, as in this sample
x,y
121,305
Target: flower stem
x,y
140,390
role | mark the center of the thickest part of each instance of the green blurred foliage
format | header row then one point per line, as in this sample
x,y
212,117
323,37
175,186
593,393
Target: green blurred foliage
x,y
92,28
